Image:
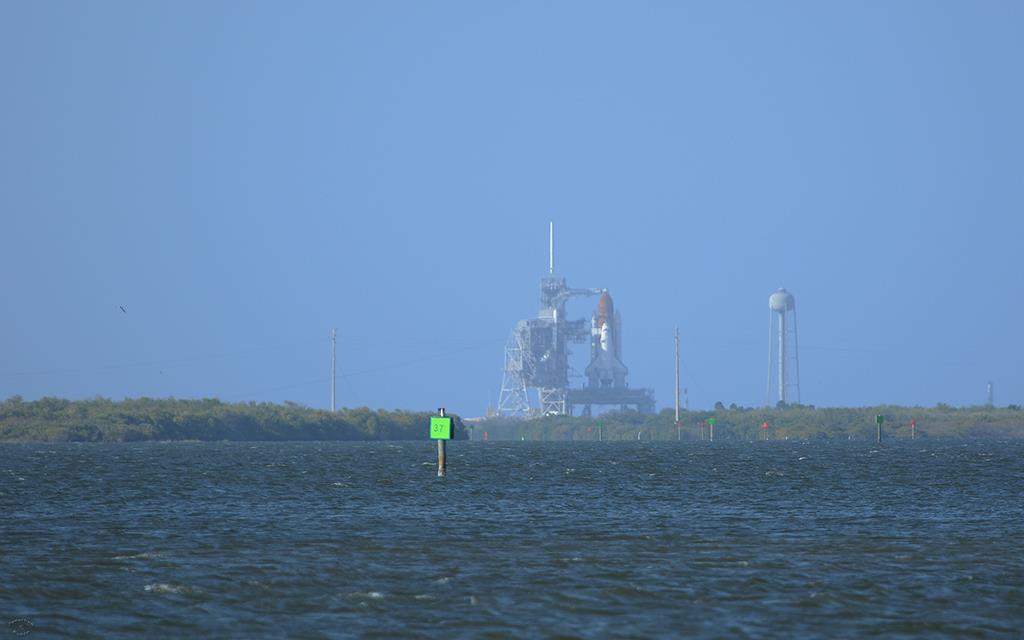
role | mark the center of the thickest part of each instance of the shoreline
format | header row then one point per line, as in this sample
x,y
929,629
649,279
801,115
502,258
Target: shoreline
x,y
50,420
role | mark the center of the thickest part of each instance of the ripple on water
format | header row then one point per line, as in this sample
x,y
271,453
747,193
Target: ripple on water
x,y
525,539
163,587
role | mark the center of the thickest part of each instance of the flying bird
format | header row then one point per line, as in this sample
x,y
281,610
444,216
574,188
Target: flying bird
x,y
122,309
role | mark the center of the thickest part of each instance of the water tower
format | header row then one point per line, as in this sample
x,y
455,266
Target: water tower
x,y
783,350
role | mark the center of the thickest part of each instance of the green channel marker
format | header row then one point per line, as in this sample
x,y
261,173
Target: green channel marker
x,y
711,421
879,419
440,428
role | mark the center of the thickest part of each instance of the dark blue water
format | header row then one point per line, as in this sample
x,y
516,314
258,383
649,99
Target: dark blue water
x,y
912,539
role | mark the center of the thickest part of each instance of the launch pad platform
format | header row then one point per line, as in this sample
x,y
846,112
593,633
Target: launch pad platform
x,y
640,399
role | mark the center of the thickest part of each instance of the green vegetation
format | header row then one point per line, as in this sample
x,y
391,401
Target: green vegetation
x,y
795,422
58,420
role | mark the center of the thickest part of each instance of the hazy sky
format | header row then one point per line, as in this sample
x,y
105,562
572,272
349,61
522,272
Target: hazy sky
x,y
243,176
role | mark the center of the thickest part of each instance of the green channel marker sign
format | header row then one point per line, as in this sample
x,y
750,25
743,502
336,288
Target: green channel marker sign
x,y
440,428
711,421
879,419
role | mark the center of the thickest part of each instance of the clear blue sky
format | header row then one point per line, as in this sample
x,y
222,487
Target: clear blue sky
x,y
243,176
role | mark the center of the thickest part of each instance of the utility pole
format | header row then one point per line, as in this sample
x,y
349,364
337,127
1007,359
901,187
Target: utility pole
x,y
679,432
334,365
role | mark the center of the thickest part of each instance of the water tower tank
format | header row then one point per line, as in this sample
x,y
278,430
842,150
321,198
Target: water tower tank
x,y
781,301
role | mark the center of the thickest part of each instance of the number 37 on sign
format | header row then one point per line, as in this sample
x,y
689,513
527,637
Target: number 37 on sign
x,y
440,428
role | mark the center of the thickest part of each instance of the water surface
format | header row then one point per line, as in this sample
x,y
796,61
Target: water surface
x,y
777,539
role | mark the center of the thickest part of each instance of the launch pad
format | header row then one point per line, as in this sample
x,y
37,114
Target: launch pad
x,y
640,399
537,357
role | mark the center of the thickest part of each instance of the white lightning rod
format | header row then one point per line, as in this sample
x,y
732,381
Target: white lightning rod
x,y
551,248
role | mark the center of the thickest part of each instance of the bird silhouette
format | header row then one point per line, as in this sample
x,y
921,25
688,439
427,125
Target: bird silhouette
x,y
122,309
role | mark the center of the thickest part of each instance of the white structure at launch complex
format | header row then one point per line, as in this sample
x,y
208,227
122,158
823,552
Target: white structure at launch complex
x,y
606,369
537,357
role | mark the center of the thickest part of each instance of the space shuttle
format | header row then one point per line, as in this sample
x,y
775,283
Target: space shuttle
x,y
606,369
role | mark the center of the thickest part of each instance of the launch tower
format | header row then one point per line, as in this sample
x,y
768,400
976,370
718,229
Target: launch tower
x,y
537,356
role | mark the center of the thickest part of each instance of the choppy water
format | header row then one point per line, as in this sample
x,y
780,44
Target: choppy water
x,y
922,539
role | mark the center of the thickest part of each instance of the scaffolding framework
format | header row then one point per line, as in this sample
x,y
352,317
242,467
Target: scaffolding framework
x,y
552,401
514,399
537,354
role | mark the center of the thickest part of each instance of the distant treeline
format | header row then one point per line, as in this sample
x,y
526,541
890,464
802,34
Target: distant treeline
x,y
58,420
800,422
100,419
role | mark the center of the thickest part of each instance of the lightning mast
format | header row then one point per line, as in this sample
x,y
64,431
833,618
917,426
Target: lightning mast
x,y
551,248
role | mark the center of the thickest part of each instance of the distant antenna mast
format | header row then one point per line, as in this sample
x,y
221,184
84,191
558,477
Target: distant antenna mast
x,y
334,364
678,430
551,248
